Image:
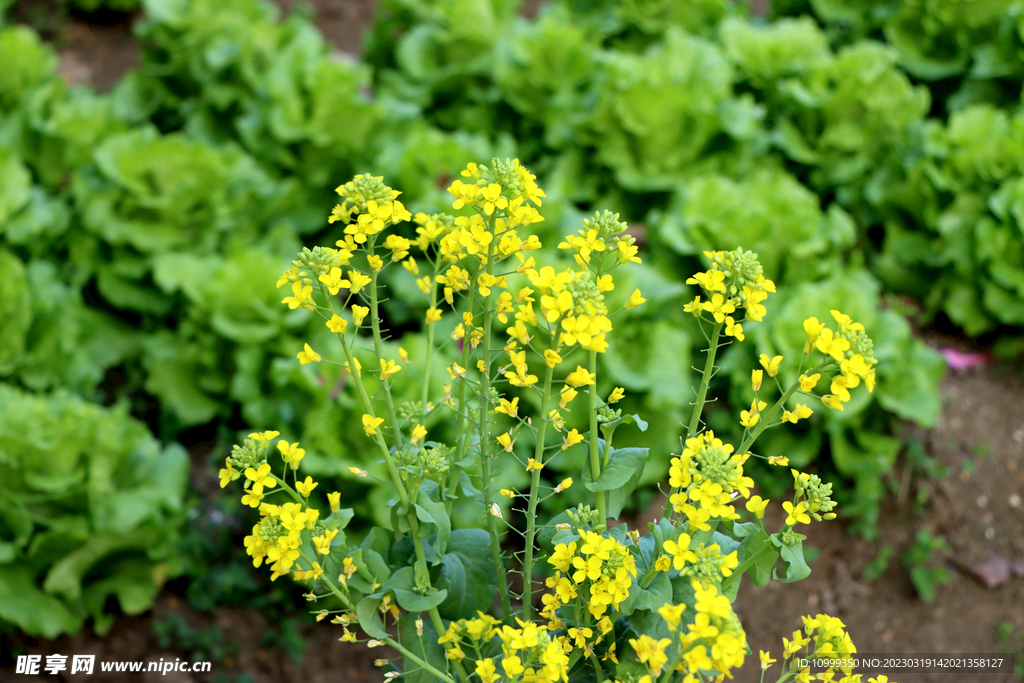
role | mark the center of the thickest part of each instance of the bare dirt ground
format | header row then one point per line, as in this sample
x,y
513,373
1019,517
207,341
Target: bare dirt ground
x,y
977,507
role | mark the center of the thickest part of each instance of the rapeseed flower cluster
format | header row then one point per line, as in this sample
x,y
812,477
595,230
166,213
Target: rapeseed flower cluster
x,y
735,280
715,641
849,347
530,654
705,478
601,571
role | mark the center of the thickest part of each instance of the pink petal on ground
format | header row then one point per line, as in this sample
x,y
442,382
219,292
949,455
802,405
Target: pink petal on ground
x,y
958,360
994,571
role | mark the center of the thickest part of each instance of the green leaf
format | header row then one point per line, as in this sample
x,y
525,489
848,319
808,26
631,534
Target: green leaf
x,y
15,190
30,609
434,513
650,623
657,594
403,583
426,648
623,464
620,476
15,310
468,574
369,618
65,577
793,556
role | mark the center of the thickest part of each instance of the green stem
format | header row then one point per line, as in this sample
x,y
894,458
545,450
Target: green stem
x,y
485,440
531,511
702,394
598,671
364,398
375,325
595,457
766,420
705,380
461,428
425,394
737,573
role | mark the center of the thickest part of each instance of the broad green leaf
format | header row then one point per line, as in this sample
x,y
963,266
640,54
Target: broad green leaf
x,y
369,618
433,513
403,583
796,567
657,594
468,574
623,465
36,613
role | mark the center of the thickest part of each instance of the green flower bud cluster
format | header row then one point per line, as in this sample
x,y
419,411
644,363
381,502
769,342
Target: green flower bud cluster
x,y
587,298
606,223
504,173
606,414
817,494
741,268
708,567
791,538
716,463
270,529
247,455
362,189
420,464
312,263
413,411
581,515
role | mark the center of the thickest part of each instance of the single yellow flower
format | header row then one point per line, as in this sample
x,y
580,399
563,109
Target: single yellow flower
x,y
750,418
580,377
808,382
756,504
552,358
571,439
617,395
506,441
371,423
771,364
388,368
797,514
566,483
756,376
634,300
719,307
510,408
306,487
359,313
418,432
308,355
337,324
801,412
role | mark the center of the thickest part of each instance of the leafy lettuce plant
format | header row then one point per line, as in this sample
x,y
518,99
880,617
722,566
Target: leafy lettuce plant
x,y
91,507
467,603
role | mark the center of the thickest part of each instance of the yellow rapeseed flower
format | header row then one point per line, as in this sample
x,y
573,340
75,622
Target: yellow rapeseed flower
x,y
580,377
308,355
371,423
770,364
359,313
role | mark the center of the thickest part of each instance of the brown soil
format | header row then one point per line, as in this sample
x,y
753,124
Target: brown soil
x,y
978,508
